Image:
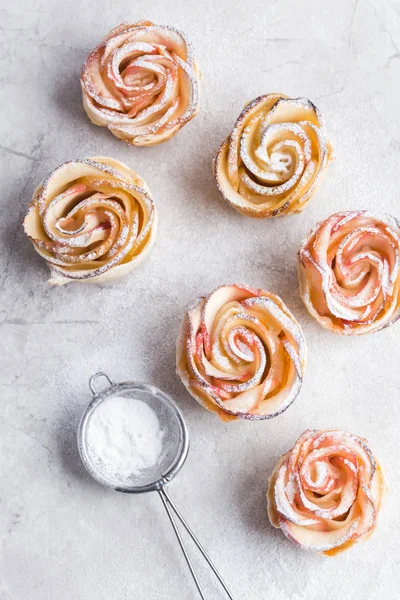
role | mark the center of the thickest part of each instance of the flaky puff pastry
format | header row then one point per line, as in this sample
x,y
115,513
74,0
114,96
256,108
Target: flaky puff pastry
x,y
91,220
326,492
241,353
273,160
142,82
349,272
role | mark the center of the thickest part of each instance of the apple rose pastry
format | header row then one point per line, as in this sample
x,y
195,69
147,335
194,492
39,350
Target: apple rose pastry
x,y
326,492
349,272
141,82
91,220
273,160
241,353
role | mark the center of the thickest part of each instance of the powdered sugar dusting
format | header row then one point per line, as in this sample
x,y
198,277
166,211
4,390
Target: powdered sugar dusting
x,y
144,114
260,169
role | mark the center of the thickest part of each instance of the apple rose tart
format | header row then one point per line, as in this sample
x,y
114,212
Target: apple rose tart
x,y
349,272
241,353
141,82
272,161
91,220
326,492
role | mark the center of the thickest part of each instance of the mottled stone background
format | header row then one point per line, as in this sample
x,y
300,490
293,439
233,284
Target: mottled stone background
x,y
62,536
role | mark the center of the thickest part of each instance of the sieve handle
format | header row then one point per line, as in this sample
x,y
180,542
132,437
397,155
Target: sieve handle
x,y
170,507
96,376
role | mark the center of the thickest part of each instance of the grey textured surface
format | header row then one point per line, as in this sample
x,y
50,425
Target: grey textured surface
x,y
62,536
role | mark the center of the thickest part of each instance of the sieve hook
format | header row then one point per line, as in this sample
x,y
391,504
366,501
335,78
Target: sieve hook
x,y
96,376
171,508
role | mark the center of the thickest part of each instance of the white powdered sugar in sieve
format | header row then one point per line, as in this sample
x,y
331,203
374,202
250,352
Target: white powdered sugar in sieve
x,y
124,437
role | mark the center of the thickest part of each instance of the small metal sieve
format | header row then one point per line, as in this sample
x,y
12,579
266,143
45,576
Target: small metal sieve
x,y
175,449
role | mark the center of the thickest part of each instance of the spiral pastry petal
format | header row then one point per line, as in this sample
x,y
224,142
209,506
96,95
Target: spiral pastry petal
x,y
349,272
241,353
141,82
91,220
326,492
273,160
